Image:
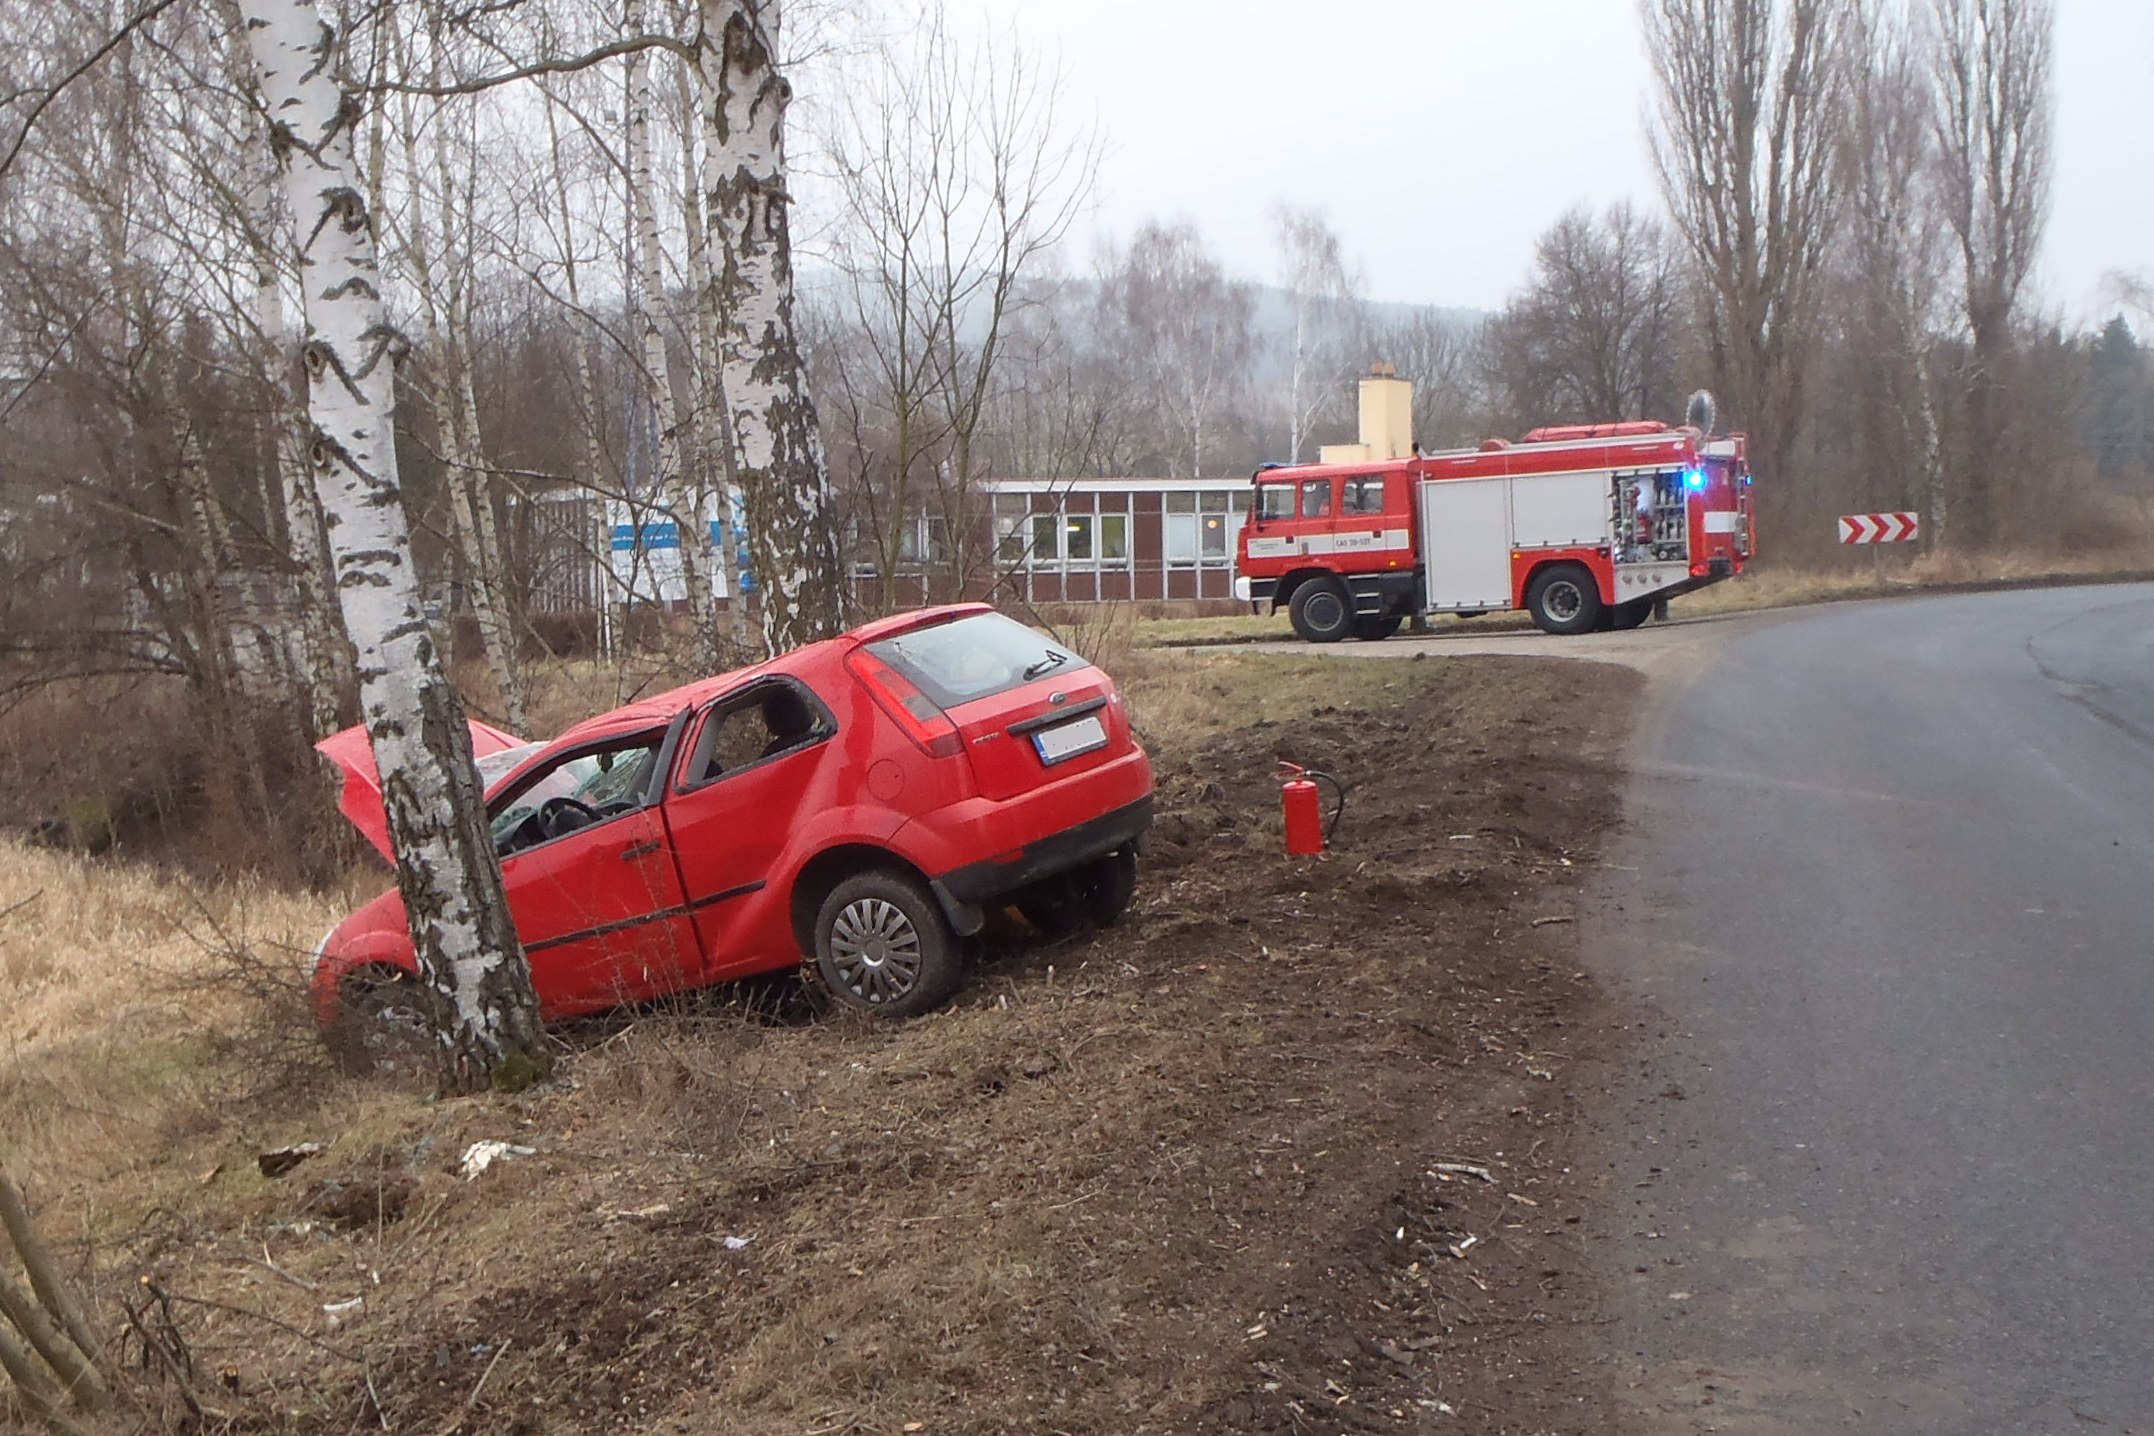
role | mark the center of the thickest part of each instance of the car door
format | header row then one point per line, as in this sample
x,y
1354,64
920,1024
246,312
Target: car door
x,y
755,760
597,899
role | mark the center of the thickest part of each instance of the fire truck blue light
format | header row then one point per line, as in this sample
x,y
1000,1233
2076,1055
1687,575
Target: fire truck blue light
x,y
1695,479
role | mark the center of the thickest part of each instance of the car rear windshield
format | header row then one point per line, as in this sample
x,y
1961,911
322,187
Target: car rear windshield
x,y
974,657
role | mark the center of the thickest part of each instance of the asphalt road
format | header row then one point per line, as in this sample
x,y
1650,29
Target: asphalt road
x,y
1883,1158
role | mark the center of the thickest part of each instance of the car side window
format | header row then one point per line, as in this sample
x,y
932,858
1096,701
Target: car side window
x,y
1316,498
770,720
1364,496
576,791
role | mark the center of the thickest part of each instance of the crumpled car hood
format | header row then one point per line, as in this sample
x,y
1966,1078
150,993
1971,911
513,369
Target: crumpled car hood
x,y
361,799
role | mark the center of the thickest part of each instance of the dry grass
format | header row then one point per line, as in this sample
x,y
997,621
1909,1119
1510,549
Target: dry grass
x,y
1179,697
1058,1205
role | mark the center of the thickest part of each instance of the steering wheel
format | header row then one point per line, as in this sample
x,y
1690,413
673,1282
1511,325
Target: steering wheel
x,y
558,816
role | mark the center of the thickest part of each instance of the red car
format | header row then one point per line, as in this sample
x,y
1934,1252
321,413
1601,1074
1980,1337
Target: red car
x,y
860,804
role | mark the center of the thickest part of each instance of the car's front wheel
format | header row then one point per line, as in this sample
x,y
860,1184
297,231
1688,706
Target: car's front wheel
x,y
1320,611
883,946
381,1023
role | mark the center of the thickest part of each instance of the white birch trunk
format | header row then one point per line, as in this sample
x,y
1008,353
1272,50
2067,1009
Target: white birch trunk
x,y
325,655
585,344
448,302
706,427
777,445
470,962
679,491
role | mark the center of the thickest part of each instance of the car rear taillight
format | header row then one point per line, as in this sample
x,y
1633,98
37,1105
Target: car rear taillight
x,y
912,710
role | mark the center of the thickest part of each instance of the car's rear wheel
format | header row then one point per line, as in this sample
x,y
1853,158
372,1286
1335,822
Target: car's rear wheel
x,y
1564,599
1094,894
883,946
381,1023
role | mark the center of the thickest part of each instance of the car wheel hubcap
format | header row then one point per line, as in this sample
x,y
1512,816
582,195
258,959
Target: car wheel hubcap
x,y
875,949
1564,600
1326,612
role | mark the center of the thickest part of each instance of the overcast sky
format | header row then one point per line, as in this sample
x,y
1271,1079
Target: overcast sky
x,y
1440,137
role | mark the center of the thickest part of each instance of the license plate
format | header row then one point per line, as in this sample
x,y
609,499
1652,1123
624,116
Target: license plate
x,y
1067,740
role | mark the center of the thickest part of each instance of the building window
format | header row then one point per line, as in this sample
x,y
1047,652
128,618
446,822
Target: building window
x,y
1011,513
1212,536
1114,538
924,541
1202,528
1072,542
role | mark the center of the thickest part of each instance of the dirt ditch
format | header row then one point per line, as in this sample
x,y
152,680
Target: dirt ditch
x,y
1285,1152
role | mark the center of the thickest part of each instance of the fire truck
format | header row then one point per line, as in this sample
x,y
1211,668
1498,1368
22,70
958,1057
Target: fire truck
x,y
1584,526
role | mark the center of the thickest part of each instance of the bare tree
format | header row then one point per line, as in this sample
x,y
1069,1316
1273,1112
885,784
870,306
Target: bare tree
x,y
1991,67
1328,323
1892,259
678,484
470,961
1593,335
1183,329
776,441
1443,355
957,176
1750,95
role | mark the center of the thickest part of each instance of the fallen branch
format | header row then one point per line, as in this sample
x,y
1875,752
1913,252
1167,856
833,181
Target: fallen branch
x,y
44,1275
37,1393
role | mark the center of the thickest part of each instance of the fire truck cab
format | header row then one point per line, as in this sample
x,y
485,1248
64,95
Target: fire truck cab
x,y
1583,527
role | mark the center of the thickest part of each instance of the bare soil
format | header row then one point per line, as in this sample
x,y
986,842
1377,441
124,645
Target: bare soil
x,y
1286,1151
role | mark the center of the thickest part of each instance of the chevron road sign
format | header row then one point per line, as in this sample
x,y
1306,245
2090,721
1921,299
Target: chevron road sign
x,y
1880,528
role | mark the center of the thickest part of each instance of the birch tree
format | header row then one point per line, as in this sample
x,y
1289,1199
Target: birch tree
x,y
677,481
776,440
1184,329
1326,319
471,964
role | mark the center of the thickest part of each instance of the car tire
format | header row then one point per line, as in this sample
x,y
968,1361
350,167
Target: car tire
x,y
882,946
1564,600
381,1023
1626,616
1093,894
1374,628
1321,611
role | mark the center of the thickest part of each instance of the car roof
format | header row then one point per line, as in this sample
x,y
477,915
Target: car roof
x,y
659,709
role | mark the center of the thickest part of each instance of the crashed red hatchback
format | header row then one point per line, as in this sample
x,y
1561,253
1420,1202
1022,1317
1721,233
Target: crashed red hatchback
x,y
856,805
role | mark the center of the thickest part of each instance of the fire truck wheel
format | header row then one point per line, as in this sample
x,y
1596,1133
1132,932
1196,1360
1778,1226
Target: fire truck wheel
x,y
1321,611
1630,615
1564,600
1377,627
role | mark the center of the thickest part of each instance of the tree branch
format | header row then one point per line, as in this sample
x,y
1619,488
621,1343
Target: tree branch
x,y
112,42
627,45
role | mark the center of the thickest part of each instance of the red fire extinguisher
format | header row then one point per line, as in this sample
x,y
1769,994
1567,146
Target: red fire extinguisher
x,y
1306,830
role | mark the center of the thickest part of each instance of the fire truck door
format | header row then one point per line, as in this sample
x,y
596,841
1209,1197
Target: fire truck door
x,y
1466,542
